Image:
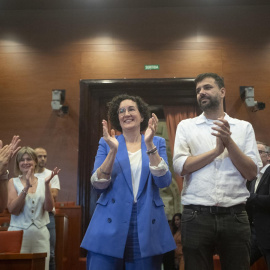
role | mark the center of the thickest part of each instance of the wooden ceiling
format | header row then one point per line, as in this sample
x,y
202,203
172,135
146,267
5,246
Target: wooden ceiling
x,y
84,4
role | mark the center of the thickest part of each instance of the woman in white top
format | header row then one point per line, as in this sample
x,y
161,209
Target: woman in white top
x,y
129,229
29,200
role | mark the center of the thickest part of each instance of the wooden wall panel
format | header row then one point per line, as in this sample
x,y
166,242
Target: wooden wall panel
x,y
92,4
120,64
130,64
28,79
248,67
233,25
188,63
41,50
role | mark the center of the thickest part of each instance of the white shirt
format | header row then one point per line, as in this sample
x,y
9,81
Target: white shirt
x,y
218,183
259,176
136,167
55,183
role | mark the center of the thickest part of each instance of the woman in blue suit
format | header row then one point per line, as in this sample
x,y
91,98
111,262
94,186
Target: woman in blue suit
x,y
129,229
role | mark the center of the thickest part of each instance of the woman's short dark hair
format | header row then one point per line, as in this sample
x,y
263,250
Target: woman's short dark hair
x,y
24,150
114,107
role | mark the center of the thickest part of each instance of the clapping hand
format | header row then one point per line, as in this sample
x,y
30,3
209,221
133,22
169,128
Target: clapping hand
x,y
7,152
151,130
55,172
109,139
223,134
14,145
28,177
223,130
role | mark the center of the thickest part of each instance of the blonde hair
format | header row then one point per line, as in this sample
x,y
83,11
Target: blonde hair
x,y
24,150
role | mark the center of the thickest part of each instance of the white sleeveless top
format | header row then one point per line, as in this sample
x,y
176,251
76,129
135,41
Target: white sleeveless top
x,y
33,211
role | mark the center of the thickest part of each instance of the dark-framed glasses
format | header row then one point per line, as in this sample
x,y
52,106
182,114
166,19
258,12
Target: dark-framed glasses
x,y
130,110
261,152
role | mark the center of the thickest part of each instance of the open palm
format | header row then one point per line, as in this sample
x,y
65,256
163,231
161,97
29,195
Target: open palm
x,y
109,138
151,130
53,174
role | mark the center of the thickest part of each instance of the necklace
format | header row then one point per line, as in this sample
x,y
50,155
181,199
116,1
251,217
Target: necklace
x,y
31,184
34,182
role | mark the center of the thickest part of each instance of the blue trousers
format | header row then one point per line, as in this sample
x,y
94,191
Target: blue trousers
x,y
51,228
204,234
132,256
97,261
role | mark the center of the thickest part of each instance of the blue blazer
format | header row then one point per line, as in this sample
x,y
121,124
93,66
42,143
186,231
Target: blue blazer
x,y
108,229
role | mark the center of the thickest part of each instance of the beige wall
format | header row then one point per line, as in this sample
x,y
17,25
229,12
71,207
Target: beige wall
x,y
49,49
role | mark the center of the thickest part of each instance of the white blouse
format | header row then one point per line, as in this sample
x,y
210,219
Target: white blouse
x,y
135,160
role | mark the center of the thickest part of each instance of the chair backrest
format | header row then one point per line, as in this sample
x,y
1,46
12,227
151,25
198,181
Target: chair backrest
x,y
10,241
4,221
64,204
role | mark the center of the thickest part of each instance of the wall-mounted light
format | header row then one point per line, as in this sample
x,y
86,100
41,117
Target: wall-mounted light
x,y
58,99
247,94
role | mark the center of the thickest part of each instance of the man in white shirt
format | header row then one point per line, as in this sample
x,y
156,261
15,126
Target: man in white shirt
x,y
258,207
216,154
43,172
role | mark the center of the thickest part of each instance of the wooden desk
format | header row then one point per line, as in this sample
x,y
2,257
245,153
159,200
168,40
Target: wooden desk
x,y
4,219
61,245
259,265
26,261
5,214
74,234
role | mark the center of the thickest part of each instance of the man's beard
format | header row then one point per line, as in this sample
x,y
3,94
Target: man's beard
x,y
42,164
212,104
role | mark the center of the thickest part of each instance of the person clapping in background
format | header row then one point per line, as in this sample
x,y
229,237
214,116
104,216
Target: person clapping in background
x,y
29,201
6,153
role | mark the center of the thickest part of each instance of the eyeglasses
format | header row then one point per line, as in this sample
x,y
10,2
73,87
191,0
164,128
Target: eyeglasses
x,y
130,109
261,152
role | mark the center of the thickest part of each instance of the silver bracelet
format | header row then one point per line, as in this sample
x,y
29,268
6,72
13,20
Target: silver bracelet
x,y
151,151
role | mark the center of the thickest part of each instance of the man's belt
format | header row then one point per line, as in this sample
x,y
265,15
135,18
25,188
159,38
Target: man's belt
x,y
236,209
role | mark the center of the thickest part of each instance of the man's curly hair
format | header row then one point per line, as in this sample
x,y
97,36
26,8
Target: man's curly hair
x,y
114,107
218,80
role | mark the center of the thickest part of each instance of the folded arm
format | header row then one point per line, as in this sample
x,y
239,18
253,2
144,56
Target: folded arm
x,y
194,163
244,164
184,162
